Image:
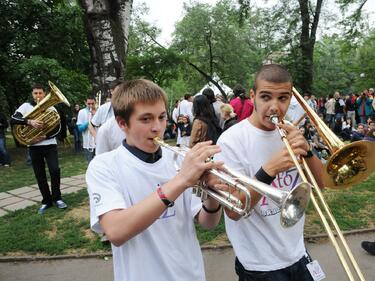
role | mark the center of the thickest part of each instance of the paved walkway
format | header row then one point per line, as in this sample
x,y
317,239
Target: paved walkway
x,y
26,196
218,264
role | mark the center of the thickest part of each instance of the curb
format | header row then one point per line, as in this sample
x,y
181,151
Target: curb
x,y
311,238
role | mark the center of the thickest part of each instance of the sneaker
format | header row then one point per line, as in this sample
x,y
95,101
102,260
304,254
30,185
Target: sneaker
x,y
61,204
43,209
6,165
369,247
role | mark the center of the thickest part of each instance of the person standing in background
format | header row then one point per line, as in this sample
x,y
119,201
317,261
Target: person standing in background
x,y
74,129
4,156
84,117
44,149
184,120
242,105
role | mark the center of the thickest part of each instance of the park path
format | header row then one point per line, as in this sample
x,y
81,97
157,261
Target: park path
x,y
29,195
218,264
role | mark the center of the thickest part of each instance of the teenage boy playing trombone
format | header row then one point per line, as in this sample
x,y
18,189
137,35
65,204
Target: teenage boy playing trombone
x,y
264,249
140,202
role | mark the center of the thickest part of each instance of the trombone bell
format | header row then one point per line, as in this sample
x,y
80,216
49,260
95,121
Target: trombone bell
x,y
350,164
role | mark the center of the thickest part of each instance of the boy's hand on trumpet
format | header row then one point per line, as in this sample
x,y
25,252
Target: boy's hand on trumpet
x,y
196,162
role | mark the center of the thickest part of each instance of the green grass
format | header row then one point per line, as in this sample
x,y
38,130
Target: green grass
x,y
56,232
352,208
20,174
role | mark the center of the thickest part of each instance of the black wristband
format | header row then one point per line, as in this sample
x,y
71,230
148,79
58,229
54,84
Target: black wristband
x,y
211,211
262,176
308,155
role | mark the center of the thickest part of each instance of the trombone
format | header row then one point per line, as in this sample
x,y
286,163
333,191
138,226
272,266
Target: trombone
x,y
292,203
348,164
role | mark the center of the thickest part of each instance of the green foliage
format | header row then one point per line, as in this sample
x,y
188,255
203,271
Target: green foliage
x,y
343,67
41,40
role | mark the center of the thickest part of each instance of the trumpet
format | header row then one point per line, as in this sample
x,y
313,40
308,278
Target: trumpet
x,y
292,204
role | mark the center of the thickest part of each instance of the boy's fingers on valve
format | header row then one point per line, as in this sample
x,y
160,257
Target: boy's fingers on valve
x,y
287,127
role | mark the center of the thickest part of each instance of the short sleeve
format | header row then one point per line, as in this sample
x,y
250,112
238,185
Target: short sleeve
x,y
229,155
24,109
104,191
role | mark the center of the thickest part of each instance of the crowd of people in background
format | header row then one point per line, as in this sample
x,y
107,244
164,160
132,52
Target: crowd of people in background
x,y
350,117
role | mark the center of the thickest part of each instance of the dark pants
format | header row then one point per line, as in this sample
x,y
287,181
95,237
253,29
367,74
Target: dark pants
x,y
4,156
49,153
77,140
295,272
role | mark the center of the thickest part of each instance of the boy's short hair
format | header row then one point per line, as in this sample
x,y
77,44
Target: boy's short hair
x,y
37,86
274,73
128,94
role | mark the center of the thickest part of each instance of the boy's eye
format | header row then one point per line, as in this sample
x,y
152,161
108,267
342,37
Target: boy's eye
x,y
284,98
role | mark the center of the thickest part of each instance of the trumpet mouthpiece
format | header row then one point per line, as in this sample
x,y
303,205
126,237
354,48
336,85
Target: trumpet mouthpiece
x,y
156,140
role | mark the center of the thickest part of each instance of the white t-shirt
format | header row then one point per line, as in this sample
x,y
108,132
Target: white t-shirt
x,y
168,249
259,241
84,115
185,108
175,114
109,137
25,109
295,111
103,113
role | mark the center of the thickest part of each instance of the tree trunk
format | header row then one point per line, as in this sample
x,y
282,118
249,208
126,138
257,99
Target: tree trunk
x,y
307,43
107,25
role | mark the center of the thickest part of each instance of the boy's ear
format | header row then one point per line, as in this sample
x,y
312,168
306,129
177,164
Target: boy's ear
x,y
121,123
252,94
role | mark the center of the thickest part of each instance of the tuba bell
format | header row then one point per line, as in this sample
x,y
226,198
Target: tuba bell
x,y
28,135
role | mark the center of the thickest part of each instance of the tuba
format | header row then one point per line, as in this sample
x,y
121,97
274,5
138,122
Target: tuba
x,y
28,135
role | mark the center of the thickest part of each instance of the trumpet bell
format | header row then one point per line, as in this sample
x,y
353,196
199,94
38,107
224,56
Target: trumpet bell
x,y
295,204
350,164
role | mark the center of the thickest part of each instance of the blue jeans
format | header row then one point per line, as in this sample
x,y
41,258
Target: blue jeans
x,y
296,272
4,156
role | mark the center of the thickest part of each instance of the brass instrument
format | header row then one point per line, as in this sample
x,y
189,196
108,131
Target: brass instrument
x,y
292,204
28,135
348,164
